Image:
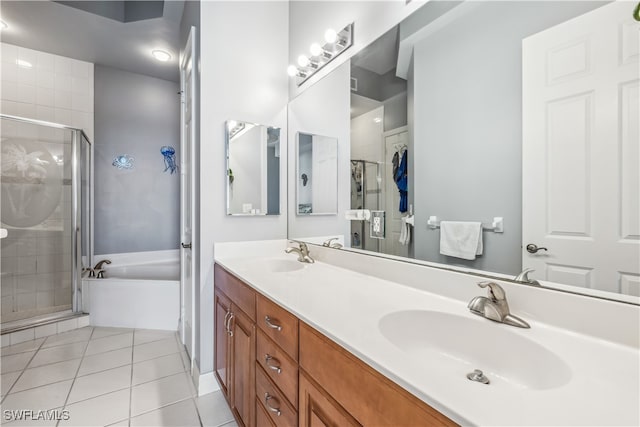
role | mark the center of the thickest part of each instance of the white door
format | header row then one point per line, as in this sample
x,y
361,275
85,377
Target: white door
x,y
393,218
187,209
324,180
581,184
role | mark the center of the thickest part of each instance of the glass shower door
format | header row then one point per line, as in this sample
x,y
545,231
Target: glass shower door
x,y
37,266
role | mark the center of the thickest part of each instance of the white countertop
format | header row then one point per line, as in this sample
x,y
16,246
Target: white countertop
x,y
595,382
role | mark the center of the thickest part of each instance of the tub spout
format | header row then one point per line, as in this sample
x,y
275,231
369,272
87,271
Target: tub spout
x,y
98,266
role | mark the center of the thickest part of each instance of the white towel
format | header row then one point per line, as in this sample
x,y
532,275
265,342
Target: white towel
x,y
461,239
405,231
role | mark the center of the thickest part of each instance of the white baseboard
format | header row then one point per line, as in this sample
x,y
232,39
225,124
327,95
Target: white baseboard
x,y
205,383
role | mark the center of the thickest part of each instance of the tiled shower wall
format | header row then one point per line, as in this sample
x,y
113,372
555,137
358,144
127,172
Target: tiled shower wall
x,y
36,261
55,89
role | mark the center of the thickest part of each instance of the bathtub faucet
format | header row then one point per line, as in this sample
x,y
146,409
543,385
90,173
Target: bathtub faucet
x,y
97,271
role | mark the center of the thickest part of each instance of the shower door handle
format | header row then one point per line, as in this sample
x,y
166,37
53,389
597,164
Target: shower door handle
x,y
186,245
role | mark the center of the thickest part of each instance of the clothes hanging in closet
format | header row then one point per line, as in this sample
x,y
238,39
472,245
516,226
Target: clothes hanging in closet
x,y
400,177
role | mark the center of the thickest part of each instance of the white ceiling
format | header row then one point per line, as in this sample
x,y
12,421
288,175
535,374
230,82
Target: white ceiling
x,y
67,31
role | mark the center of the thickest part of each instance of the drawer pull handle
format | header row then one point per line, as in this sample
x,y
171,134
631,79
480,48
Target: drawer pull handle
x,y
268,358
267,320
226,322
229,330
267,398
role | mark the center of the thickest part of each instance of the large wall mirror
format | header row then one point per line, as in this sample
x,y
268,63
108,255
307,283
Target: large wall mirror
x,y
508,131
317,174
253,169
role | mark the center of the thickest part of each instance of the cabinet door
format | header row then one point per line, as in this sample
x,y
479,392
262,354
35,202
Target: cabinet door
x,y
221,355
318,409
243,355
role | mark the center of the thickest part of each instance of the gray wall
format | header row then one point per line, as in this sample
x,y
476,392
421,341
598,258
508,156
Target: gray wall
x,y
468,118
136,210
273,182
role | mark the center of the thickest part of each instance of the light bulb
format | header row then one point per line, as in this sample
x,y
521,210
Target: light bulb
x,y
330,36
315,49
303,61
292,70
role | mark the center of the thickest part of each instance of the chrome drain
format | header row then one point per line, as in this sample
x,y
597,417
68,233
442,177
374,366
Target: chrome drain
x,y
478,376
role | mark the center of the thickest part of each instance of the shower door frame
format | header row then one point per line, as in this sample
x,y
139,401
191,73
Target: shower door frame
x,y
77,136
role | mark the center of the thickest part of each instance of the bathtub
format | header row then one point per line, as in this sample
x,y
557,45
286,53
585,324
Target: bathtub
x,y
139,290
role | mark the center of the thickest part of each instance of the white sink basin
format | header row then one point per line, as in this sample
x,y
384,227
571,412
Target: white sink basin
x,y
460,345
277,265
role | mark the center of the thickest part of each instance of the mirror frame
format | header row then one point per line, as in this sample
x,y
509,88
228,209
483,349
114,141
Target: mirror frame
x,y
227,147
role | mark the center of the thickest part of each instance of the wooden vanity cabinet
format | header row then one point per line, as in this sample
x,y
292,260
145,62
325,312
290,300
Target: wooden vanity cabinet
x,y
276,363
317,408
222,310
235,337
275,370
352,387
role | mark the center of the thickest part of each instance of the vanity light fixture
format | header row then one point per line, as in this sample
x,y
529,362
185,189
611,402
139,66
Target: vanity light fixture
x,y
234,128
330,36
292,70
161,55
24,64
317,50
321,55
305,62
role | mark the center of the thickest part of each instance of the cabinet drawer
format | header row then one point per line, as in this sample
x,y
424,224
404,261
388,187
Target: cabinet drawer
x,y
262,418
364,393
279,325
276,405
240,294
282,370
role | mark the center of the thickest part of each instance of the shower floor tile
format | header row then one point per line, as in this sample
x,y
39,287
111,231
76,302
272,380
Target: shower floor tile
x,y
107,376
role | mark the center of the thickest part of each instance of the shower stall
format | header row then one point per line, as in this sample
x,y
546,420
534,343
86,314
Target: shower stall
x,y
46,216
366,189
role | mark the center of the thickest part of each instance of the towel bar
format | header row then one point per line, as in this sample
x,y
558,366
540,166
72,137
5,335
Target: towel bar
x,y
497,226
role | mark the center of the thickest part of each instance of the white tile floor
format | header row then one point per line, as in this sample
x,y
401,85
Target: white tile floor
x,y
106,377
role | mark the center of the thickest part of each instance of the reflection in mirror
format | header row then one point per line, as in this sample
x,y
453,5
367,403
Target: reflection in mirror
x,y
253,169
512,110
317,174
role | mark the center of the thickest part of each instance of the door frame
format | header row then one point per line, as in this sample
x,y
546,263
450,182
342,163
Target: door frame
x,y
188,311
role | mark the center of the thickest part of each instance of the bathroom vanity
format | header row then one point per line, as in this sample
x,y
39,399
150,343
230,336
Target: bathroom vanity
x,y
345,341
276,370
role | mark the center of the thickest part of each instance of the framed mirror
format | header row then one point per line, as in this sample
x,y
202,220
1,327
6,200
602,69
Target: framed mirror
x,y
316,174
253,168
500,110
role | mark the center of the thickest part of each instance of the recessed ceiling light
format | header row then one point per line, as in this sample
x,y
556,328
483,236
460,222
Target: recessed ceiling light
x,y
24,64
161,55
3,25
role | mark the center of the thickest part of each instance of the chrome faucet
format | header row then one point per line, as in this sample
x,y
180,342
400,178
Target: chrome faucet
x,y
302,251
523,277
97,271
327,243
495,306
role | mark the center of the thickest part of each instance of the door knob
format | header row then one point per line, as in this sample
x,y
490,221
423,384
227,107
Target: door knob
x,y
186,245
532,248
